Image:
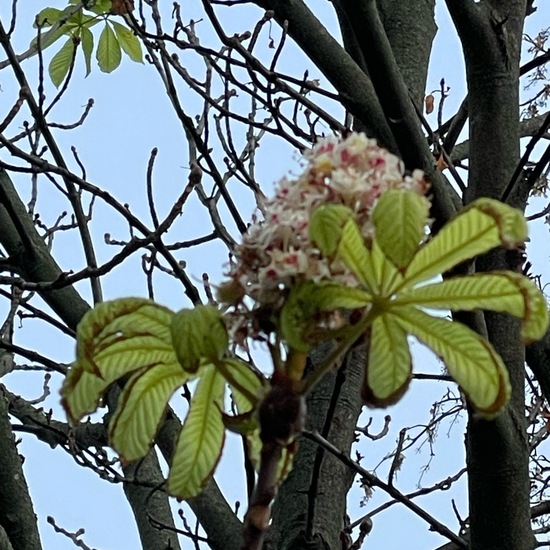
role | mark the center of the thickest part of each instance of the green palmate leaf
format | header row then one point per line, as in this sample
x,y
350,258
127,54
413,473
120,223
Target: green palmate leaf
x,y
108,52
87,41
61,62
120,336
485,224
306,301
325,227
47,17
357,257
400,218
115,339
510,221
198,333
389,365
200,442
129,42
141,407
387,276
244,381
469,358
505,292
69,25
100,7
81,392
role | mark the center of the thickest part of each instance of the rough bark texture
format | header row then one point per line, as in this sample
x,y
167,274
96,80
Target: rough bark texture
x,y
497,453
150,505
411,28
17,519
310,508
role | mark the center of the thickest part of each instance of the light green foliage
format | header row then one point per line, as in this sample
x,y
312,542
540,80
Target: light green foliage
x,y
108,54
160,351
400,222
141,407
198,333
398,264
75,22
201,439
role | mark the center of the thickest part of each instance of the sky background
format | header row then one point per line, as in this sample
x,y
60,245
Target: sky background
x,y
132,115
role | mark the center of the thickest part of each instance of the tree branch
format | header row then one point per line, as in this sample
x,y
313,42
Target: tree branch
x,y
17,517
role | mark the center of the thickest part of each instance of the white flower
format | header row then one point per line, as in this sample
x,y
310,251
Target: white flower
x,y
276,253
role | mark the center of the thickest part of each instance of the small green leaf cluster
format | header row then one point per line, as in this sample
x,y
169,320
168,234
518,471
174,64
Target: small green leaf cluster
x,y
150,352
395,271
75,22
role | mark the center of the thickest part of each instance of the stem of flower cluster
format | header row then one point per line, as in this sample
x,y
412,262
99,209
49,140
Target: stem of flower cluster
x,y
340,350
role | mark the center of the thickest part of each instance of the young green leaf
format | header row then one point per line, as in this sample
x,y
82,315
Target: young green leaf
x,y
198,333
389,365
69,24
400,219
108,52
141,407
100,7
47,17
114,339
129,42
325,227
243,380
469,358
357,257
484,225
501,291
510,221
386,275
200,442
87,42
61,62
119,336
81,392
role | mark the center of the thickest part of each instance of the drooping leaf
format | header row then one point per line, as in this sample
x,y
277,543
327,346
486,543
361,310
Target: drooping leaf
x,y
87,41
129,42
81,392
141,407
325,227
108,52
469,358
400,218
503,291
244,381
305,301
510,221
120,336
389,365
484,225
356,256
115,339
61,62
387,276
200,442
198,333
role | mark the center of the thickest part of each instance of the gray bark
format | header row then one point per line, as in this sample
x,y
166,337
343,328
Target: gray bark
x,y
17,518
497,453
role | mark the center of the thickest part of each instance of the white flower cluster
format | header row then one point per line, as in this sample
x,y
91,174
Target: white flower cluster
x,y
276,253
